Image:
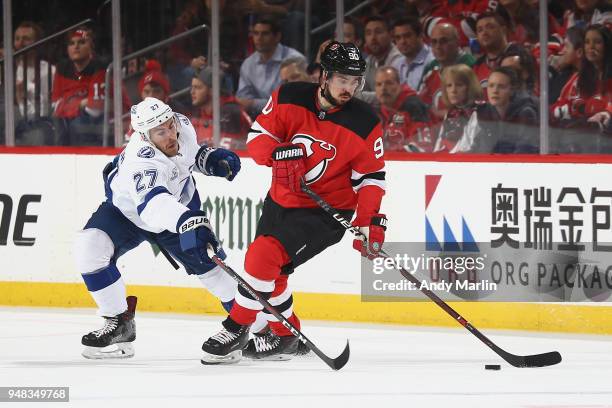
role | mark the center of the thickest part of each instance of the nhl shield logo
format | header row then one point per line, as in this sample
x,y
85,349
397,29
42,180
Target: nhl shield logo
x,y
318,156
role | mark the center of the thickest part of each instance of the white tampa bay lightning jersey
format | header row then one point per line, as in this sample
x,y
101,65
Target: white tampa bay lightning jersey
x,y
151,189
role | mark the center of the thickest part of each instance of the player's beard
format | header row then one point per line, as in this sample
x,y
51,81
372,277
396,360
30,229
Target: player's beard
x,y
327,95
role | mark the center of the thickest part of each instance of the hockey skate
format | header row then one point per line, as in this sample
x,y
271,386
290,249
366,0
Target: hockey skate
x,y
114,340
226,346
271,347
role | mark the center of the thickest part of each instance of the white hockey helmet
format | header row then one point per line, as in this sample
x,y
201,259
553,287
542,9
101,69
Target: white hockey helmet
x,y
149,113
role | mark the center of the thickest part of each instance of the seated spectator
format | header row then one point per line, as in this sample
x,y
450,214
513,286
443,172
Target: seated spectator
x,y
28,33
445,48
32,125
519,59
381,52
588,12
469,124
259,73
235,123
293,70
492,33
408,38
517,110
524,22
78,92
461,14
588,91
404,117
155,83
353,31
314,72
567,63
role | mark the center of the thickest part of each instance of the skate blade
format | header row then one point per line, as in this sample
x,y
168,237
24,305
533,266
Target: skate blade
x,y
114,351
212,359
276,357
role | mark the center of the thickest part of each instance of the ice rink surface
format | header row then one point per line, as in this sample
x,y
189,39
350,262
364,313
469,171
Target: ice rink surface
x,y
390,366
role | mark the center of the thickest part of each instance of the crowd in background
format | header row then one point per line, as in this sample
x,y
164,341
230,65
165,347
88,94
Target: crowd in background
x,y
444,76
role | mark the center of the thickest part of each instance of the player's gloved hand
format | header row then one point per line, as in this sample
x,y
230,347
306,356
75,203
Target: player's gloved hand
x,y
375,235
218,162
288,165
195,233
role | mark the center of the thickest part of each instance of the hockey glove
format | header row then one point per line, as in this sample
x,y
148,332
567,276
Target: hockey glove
x,y
375,237
288,166
218,162
195,234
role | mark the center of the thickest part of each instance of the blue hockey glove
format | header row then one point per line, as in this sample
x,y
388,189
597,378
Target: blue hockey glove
x,y
218,162
195,234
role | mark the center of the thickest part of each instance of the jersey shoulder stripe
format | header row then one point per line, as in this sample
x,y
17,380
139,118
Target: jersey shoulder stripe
x,y
153,193
356,116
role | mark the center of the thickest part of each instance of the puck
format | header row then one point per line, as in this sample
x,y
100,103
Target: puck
x,y
492,367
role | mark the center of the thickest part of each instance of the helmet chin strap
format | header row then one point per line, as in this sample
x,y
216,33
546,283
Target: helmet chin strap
x,y
325,94
328,96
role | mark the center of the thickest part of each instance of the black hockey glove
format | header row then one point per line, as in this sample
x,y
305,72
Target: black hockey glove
x,y
195,234
218,162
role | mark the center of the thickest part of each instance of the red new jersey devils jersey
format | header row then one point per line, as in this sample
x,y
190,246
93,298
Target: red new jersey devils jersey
x,y
344,148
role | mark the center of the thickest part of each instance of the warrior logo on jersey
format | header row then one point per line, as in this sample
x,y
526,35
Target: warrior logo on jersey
x,y
146,152
318,156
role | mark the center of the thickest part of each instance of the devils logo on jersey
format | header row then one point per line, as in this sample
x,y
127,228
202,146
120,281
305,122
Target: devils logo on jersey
x,y
318,156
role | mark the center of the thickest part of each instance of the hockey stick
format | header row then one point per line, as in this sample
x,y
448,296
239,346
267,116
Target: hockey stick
x,y
535,360
334,363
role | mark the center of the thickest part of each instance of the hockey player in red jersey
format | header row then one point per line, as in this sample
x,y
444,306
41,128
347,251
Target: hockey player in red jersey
x,y
321,133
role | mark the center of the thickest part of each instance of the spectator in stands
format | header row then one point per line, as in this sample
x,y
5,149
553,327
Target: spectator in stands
x,y
461,14
155,83
353,31
381,52
28,33
521,60
524,22
517,111
293,70
408,38
235,123
314,72
588,91
259,73
403,115
469,124
445,48
78,91
491,29
568,62
588,12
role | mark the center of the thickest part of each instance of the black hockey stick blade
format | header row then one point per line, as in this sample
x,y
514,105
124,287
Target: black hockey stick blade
x,y
535,360
340,361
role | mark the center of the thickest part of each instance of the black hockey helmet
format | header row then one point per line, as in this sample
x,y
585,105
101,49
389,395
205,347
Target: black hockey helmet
x,y
344,58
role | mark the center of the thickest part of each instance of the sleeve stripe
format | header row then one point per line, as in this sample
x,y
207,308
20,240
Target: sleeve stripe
x,y
379,175
370,182
257,130
154,192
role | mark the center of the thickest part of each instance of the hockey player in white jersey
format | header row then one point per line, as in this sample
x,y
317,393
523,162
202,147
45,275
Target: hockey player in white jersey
x,y
151,195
